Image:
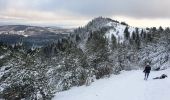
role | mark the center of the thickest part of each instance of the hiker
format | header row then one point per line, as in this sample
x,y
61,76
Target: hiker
x,y
161,77
147,71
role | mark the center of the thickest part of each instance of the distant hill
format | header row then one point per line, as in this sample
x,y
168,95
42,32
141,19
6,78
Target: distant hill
x,y
31,35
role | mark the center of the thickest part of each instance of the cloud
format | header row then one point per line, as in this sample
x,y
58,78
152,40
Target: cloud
x,y
133,8
82,10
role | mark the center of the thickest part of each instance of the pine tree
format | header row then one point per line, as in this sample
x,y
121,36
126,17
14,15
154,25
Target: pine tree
x,y
126,33
114,42
97,52
133,36
149,37
154,29
137,41
161,29
78,38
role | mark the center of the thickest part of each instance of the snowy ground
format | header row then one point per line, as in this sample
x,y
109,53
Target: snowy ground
x,y
129,85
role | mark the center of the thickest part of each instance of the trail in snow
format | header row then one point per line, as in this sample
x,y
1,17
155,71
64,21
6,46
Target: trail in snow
x,y
129,85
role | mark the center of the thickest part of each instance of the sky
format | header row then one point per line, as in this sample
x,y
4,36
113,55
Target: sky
x,y
74,13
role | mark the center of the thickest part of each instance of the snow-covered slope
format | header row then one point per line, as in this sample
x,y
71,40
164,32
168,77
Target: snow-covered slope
x,y
129,85
119,29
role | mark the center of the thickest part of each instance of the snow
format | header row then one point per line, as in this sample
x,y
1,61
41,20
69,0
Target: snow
x,y
1,57
131,30
111,24
118,32
25,35
129,85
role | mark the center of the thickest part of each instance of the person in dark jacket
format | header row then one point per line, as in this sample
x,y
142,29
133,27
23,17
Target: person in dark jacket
x,y
161,77
147,71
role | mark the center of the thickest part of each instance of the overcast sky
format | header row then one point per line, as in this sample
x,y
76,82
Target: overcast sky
x,y
73,13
